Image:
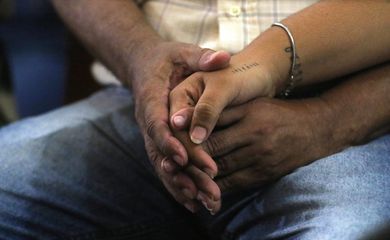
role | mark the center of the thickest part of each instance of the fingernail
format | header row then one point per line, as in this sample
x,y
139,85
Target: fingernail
x,y
187,193
209,172
207,207
201,197
189,207
178,160
168,166
210,57
207,57
198,135
179,121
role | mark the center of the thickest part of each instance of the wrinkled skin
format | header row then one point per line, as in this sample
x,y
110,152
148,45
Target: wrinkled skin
x,y
158,71
269,138
262,140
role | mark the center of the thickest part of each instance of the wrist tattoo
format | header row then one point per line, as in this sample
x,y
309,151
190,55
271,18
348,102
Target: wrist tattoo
x,y
245,67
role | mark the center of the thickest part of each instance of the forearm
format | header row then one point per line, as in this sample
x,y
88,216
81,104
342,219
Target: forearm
x,y
358,109
333,39
278,136
112,30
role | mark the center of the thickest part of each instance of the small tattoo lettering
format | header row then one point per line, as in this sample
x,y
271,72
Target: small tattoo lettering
x,y
245,67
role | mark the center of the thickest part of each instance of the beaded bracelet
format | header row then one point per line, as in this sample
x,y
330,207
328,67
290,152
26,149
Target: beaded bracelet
x,y
294,67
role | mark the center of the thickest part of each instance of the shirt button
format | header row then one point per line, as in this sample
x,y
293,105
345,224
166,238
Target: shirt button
x,y
235,11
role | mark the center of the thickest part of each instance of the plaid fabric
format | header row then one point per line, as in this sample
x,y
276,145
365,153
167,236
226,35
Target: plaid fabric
x,y
218,24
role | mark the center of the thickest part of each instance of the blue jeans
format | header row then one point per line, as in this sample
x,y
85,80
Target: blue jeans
x,y
81,172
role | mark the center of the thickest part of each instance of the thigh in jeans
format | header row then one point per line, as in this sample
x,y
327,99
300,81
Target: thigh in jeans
x,y
81,172
343,196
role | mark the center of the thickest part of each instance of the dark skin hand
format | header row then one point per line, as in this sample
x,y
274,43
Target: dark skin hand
x,y
265,139
199,185
117,33
163,67
261,141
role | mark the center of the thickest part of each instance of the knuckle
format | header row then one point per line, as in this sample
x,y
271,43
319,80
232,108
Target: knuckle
x,y
157,170
226,183
223,165
182,95
146,108
152,154
187,50
205,112
205,50
266,130
174,92
151,127
197,75
268,149
176,180
213,145
197,175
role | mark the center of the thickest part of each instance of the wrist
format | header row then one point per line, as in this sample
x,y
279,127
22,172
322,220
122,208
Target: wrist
x,y
345,128
261,78
327,126
139,55
254,75
272,50
138,49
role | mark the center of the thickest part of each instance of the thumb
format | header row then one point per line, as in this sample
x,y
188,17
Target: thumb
x,y
211,60
206,108
202,59
206,114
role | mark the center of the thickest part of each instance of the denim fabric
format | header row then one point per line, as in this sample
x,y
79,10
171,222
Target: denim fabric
x,y
81,172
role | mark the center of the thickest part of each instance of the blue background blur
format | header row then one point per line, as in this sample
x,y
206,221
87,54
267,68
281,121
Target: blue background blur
x,y
34,40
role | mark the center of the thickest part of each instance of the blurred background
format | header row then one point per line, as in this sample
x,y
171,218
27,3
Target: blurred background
x,y
42,66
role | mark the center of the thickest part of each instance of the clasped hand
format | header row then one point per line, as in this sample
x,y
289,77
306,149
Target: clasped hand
x,y
196,105
252,141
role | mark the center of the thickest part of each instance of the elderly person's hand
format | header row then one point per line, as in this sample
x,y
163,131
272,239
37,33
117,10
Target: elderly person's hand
x,y
161,67
200,186
119,35
266,139
262,140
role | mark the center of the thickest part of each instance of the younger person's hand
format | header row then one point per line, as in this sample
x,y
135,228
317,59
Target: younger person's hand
x,y
198,101
208,93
